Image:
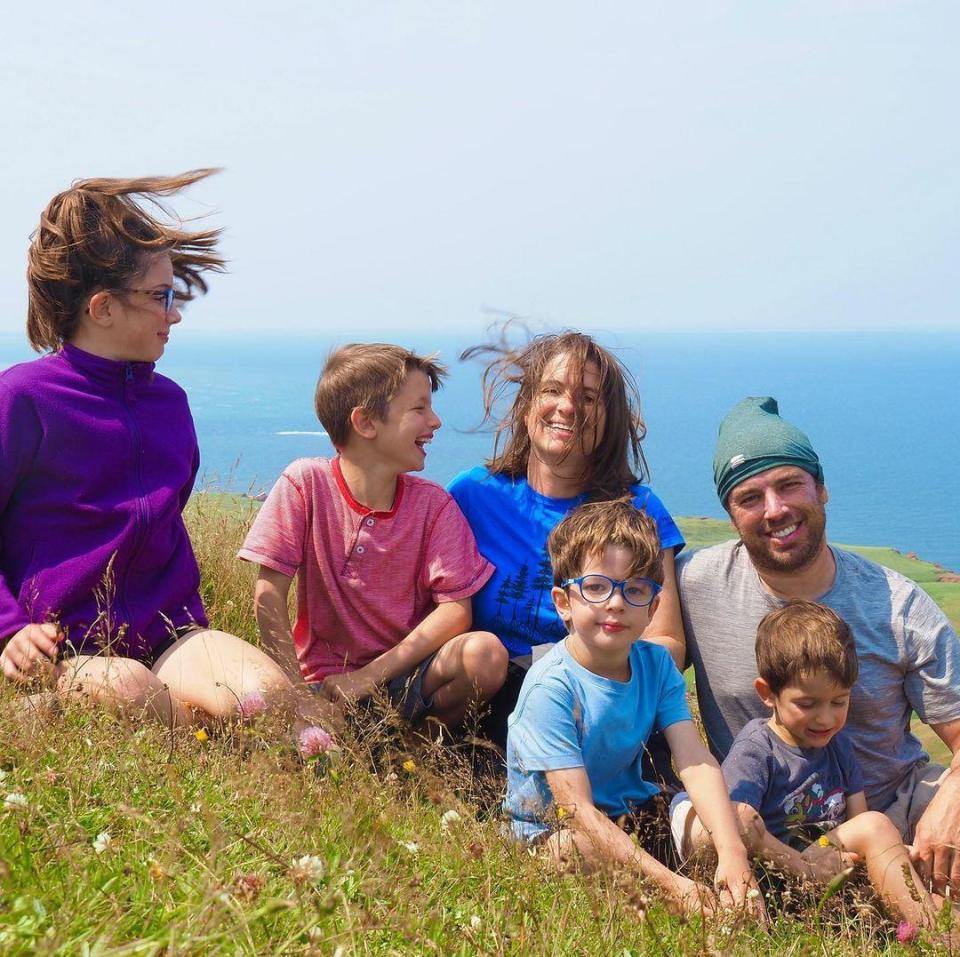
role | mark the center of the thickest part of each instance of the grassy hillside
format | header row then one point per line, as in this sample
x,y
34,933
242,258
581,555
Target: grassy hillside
x,y
123,838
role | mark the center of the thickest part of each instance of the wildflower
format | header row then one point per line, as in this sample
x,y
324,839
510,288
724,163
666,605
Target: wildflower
x,y
307,869
201,735
411,846
753,894
448,819
313,741
103,842
251,704
906,932
562,812
476,922
15,800
248,886
823,840
409,765
195,808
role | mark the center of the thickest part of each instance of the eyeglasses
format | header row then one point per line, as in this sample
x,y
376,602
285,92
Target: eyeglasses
x,y
638,592
167,296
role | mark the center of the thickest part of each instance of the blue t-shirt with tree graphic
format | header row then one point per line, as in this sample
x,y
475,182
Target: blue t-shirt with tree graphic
x,y
511,523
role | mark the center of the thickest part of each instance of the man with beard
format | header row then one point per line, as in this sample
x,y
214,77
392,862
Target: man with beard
x,y
770,481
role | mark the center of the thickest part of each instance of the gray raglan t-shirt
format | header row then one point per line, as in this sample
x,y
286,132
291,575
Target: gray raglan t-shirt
x,y
909,656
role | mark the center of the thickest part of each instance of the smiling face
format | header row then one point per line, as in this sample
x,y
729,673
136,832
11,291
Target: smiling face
x,y
601,632
809,711
408,427
135,326
567,416
781,518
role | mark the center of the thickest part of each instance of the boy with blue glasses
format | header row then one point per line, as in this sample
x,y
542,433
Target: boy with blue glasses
x,y
587,707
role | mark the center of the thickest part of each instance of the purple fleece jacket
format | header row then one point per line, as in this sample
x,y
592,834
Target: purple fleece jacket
x,y
97,461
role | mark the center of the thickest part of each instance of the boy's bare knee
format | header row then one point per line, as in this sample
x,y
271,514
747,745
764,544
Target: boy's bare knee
x,y
485,662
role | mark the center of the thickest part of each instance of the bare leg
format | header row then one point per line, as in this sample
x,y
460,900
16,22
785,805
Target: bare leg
x,y
876,839
468,669
122,683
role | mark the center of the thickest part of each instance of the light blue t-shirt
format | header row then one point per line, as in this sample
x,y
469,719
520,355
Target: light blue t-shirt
x,y
511,522
569,717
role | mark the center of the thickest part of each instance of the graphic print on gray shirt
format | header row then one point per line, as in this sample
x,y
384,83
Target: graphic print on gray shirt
x,y
799,792
908,651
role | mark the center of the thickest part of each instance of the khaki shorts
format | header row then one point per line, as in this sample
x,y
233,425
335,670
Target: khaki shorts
x,y
913,796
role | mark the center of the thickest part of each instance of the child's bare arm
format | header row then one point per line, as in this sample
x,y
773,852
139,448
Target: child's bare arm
x,y
601,843
856,804
666,625
704,783
446,621
273,620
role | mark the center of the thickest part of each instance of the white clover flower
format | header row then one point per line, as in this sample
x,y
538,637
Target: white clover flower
x,y
411,846
448,819
307,869
103,842
15,800
475,922
195,807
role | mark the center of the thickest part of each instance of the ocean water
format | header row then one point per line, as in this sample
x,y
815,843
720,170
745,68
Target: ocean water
x,y
882,412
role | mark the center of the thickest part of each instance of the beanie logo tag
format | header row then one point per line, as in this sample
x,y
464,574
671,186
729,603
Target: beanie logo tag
x,y
737,461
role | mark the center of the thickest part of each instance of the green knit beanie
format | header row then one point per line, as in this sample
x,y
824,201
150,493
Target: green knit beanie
x,y
753,438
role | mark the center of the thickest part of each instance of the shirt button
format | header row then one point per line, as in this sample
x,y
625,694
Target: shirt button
x,y
371,522
360,549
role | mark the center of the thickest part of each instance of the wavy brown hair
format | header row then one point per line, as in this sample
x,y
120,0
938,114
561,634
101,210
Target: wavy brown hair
x,y
586,531
100,234
514,374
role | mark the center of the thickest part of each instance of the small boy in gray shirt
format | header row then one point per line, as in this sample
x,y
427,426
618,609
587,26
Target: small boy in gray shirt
x,y
793,776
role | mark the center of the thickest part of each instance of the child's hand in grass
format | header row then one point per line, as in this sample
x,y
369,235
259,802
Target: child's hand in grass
x,y
737,887
684,896
353,686
823,861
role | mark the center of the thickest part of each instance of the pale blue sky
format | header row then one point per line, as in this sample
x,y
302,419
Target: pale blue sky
x,y
612,165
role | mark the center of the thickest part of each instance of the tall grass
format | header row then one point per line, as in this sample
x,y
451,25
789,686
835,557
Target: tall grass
x,y
120,837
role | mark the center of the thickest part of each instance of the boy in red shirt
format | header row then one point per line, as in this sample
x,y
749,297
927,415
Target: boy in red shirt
x,y
385,562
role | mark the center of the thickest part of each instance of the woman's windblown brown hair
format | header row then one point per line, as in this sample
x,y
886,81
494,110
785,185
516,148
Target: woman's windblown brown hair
x,y
514,374
99,234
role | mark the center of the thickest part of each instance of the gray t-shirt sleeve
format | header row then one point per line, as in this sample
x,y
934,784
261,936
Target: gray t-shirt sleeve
x,y
932,685
746,769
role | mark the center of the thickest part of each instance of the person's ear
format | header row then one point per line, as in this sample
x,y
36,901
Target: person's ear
x,y
823,494
561,601
363,423
763,690
102,309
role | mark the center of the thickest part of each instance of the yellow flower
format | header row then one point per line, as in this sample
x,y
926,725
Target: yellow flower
x,y
823,840
410,765
201,735
562,812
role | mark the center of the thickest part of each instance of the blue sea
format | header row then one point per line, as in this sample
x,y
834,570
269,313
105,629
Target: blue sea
x,y
881,409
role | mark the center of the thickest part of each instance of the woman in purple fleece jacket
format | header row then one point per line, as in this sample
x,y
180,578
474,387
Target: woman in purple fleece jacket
x,y
98,582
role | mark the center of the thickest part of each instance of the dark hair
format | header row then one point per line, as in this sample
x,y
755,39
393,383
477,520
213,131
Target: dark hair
x,y
802,638
366,376
98,235
617,462
589,528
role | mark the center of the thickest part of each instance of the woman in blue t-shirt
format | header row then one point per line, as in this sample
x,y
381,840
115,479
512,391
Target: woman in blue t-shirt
x,y
572,434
